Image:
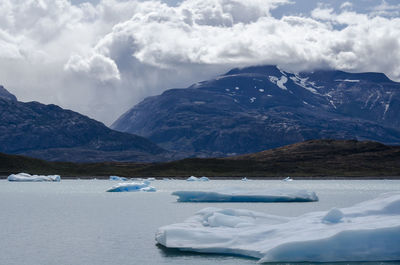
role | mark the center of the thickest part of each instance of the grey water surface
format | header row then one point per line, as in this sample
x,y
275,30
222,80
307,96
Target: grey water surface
x,y
76,222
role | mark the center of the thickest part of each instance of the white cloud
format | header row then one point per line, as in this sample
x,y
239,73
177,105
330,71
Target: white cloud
x,y
101,59
346,5
385,9
9,47
97,66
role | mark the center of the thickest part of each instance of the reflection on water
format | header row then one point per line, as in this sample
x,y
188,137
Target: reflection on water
x,y
176,253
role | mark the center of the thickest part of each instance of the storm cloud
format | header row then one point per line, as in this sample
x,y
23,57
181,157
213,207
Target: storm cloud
x,y
100,59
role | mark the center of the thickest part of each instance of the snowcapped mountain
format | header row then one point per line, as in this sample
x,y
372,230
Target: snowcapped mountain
x,y
52,133
256,108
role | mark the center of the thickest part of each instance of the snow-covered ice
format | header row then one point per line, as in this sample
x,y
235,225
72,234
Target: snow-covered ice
x,y
33,178
288,179
117,178
347,80
369,231
279,82
132,186
244,195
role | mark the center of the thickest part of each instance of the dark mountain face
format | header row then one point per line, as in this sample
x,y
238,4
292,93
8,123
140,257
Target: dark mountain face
x,y
252,109
4,94
53,133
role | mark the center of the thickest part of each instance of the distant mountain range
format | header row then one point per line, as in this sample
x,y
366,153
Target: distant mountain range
x,y
252,109
52,133
316,158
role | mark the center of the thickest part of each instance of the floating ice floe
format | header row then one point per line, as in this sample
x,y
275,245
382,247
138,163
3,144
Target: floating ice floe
x,y
132,186
369,231
245,179
33,178
117,178
288,179
193,178
243,195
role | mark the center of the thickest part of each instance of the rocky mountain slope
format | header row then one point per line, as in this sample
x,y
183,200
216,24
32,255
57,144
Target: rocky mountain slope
x,y
52,133
257,108
315,158
4,94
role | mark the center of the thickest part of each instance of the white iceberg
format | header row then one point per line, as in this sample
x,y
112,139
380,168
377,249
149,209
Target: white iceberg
x,y
288,179
245,179
32,178
245,195
132,186
193,178
117,178
369,231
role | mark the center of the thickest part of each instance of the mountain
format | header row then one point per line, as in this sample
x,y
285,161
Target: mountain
x,y
4,94
52,133
315,158
256,108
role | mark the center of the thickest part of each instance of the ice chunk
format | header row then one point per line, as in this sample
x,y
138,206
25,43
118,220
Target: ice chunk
x,y
117,178
132,186
369,231
33,178
193,178
288,179
243,195
151,179
333,216
245,179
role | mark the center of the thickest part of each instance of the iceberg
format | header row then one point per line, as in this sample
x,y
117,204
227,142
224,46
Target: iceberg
x,y
369,231
245,195
132,186
288,179
32,178
117,178
193,178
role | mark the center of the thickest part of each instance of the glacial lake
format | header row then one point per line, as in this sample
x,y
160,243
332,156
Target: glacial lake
x,y
76,222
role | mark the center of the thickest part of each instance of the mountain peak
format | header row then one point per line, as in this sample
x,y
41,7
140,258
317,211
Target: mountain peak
x,y
259,69
6,95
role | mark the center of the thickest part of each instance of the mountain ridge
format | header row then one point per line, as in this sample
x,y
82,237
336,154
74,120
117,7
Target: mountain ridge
x,y
251,109
53,133
325,158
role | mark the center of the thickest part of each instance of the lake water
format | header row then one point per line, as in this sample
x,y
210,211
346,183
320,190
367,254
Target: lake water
x,y
77,222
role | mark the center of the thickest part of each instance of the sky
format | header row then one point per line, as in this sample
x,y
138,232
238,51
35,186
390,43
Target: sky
x,y
101,57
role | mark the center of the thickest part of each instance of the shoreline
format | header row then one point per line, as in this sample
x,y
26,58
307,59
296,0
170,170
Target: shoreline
x,y
239,177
